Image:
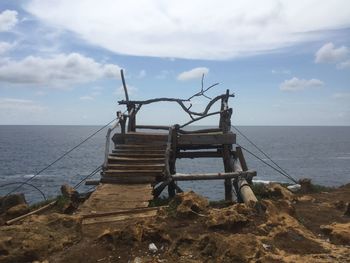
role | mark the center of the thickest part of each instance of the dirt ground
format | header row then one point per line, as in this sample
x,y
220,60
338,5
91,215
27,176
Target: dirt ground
x,y
308,227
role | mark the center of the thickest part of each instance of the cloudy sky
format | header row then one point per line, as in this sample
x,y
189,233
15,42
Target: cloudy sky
x,y
288,62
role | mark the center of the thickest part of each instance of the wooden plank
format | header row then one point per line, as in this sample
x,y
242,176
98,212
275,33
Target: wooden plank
x,y
134,166
137,155
140,138
133,173
109,219
130,159
139,151
201,154
140,146
212,176
153,127
200,139
128,180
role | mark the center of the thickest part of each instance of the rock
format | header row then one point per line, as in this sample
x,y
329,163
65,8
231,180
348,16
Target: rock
x,y
306,186
69,192
338,233
347,210
37,237
189,204
71,196
18,210
278,191
230,218
11,201
152,248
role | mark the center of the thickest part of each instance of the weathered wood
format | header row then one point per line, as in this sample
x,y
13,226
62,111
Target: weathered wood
x,y
203,139
128,180
180,131
14,220
152,127
135,210
199,154
241,158
140,147
133,173
212,176
138,160
246,192
137,155
133,166
140,138
124,85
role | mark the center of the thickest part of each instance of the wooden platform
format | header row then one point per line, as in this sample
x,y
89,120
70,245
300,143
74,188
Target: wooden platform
x,y
112,205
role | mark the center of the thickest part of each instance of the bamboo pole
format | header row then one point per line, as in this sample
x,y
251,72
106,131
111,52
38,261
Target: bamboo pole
x,y
14,220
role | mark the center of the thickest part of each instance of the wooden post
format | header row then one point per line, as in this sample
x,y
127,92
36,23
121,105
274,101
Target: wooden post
x,y
225,126
172,186
242,161
132,117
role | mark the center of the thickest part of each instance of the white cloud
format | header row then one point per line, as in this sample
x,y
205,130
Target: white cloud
x,y
5,46
193,73
86,98
296,84
343,65
59,70
282,71
8,19
142,74
204,29
11,105
341,95
329,54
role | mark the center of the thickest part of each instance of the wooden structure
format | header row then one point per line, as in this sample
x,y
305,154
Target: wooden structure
x,y
142,164
141,157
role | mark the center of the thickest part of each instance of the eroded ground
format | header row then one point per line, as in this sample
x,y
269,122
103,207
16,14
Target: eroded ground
x,y
311,227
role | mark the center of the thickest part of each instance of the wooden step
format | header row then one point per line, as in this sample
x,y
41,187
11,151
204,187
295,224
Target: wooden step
x,y
128,180
141,138
136,166
133,172
137,155
113,159
140,147
139,151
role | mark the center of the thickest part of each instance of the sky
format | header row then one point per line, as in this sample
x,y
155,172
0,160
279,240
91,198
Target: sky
x,y
287,62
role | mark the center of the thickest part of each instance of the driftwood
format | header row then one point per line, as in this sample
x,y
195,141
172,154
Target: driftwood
x,y
213,176
9,222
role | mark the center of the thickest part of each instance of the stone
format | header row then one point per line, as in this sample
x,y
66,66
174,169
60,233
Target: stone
x,y
9,201
18,210
339,233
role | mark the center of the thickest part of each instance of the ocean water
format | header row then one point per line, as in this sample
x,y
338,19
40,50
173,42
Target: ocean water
x,y
319,153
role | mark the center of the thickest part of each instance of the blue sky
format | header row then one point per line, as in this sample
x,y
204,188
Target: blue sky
x,y
287,63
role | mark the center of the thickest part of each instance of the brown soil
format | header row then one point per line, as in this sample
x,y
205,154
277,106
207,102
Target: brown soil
x,y
308,227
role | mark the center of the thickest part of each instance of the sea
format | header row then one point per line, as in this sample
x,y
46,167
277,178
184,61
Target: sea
x,y
319,153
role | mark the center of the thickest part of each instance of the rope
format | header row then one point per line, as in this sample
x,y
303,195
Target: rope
x,y
289,177
265,154
61,157
88,176
24,183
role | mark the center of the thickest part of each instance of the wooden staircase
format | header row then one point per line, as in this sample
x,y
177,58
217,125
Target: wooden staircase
x,y
137,158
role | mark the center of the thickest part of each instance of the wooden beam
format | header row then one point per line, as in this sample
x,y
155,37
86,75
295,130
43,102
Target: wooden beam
x,y
199,154
212,176
201,139
152,127
241,158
